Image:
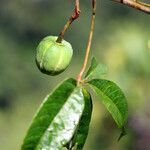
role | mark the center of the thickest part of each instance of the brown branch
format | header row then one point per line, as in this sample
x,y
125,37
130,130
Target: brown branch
x,y
79,78
73,17
135,4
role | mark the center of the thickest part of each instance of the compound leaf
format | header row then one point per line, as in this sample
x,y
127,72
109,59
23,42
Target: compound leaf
x,y
57,119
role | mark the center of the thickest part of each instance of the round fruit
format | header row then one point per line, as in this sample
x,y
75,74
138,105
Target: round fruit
x,y
52,58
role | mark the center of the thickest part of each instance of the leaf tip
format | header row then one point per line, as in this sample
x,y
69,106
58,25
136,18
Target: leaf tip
x,y
123,133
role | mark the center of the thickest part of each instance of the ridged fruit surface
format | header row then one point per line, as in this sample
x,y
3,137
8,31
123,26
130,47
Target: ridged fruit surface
x,y
52,58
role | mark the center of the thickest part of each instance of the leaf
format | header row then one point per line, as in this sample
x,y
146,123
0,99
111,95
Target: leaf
x,y
113,99
57,119
80,136
123,133
92,67
96,70
65,123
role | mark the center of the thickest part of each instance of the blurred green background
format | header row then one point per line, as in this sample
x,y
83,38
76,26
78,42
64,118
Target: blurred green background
x,y
121,41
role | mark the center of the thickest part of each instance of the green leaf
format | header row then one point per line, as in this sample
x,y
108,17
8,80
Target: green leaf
x,y
92,66
113,99
81,133
95,70
57,119
123,133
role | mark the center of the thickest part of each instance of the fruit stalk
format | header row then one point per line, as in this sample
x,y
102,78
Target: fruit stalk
x,y
79,78
73,17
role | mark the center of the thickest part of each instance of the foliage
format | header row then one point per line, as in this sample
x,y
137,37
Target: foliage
x,y
64,117
121,39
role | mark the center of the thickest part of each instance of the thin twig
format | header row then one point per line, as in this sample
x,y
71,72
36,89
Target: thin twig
x,y
144,4
73,17
135,4
79,78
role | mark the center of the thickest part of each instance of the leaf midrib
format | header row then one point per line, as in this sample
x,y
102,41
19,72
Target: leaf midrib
x,y
108,98
54,118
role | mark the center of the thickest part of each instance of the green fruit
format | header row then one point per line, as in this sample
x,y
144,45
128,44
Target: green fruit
x,y
52,58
